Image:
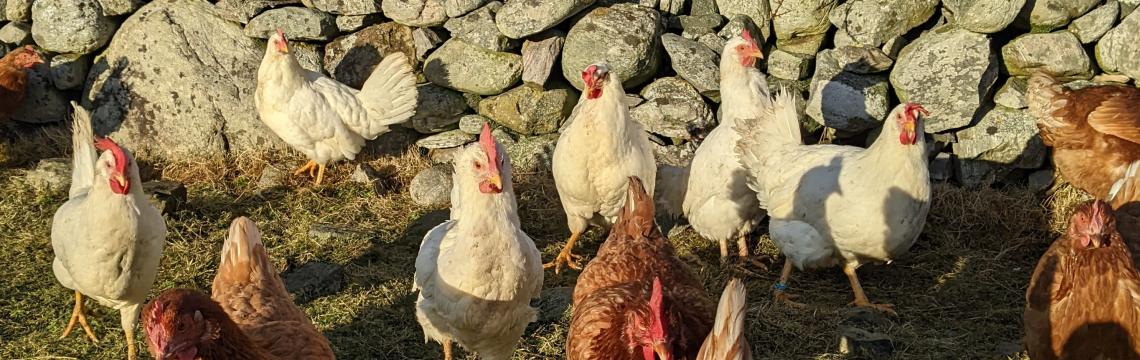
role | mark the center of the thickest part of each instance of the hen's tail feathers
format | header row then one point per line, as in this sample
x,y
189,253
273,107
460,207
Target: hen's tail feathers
x,y
1127,188
389,95
672,183
726,341
244,259
637,213
84,154
778,127
1039,94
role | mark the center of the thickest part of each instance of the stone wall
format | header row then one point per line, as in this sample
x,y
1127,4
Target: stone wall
x,y
175,78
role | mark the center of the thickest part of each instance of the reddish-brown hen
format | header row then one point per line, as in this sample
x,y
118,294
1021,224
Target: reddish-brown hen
x,y
14,78
636,299
1083,301
1094,131
183,324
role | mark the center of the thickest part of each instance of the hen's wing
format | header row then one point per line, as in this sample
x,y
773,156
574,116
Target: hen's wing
x,y
426,265
389,96
249,290
598,323
1046,288
726,341
83,152
1117,116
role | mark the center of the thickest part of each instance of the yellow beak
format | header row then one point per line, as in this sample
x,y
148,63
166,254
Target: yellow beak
x,y
662,354
909,127
497,181
119,178
756,53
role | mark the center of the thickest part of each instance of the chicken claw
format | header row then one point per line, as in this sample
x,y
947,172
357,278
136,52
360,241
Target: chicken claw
x,y
315,171
757,261
886,308
782,297
564,257
861,297
77,314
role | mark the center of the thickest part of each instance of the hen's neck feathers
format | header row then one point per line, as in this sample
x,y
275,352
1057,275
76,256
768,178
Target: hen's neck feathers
x,y
744,90
478,210
282,69
608,113
888,149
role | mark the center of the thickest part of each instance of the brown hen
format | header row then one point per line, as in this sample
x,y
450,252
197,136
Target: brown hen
x,y
1083,301
14,78
1094,131
184,324
636,299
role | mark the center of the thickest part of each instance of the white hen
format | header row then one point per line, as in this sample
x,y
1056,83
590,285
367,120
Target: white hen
x,y
718,202
599,149
107,237
324,119
477,272
832,204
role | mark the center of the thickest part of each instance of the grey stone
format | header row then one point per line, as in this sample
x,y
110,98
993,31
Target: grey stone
x,y
862,59
554,304
422,13
16,33
623,35
503,137
457,8
50,175
297,23
18,10
313,280
949,71
673,109
1047,15
178,83
1091,26
167,196
1126,9
894,46
347,7
446,139
874,22
308,55
1012,93
677,156
713,41
1117,50
425,40
1004,136
806,44
350,23
521,18
672,7
478,28
271,177
701,24
702,7
43,103
350,59
844,100
472,100
800,18
528,110
941,168
69,71
532,154
70,26
757,11
473,124
119,7
1040,181
539,53
470,68
862,334
695,63
786,65
432,187
437,110
1059,53
983,16
443,156
243,10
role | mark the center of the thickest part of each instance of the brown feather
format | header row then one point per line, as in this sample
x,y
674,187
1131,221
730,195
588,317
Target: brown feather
x,y
227,341
13,84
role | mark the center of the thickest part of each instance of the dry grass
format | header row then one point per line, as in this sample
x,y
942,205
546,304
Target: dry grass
x,y
960,293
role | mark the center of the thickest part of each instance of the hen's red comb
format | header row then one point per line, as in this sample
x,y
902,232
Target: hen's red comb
x,y
656,311
104,144
487,141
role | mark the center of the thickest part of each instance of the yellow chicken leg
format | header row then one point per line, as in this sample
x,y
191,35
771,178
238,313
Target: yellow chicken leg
x,y
860,297
315,171
447,350
132,354
746,258
779,293
77,314
320,174
566,256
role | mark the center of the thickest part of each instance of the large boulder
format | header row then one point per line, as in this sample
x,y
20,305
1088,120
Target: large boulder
x,y
350,59
1118,50
1003,140
1096,23
1047,15
1060,53
874,22
624,35
948,70
297,23
521,18
437,109
478,28
530,110
756,10
845,100
472,69
673,109
420,13
177,82
70,26
345,7
801,21
983,16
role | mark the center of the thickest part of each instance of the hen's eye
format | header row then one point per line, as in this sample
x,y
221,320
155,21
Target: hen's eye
x,y
478,165
181,327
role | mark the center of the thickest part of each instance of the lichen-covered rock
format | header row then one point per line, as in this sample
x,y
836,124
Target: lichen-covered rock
x,y
297,23
949,71
623,35
457,8
521,18
18,10
1059,53
713,41
1047,15
346,7
425,40
446,139
119,7
673,109
478,28
539,53
532,154
757,11
672,7
469,68
874,22
177,82
350,59
695,63
16,34
243,10
308,55
1118,50
437,109
43,103
1012,93
801,19
862,59
983,16
473,124
1091,26
432,187
1003,140
69,71
529,110
420,13
350,23
70,26
786,65
844,100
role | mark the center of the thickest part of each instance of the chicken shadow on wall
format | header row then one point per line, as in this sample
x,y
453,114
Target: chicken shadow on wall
x,y
356,65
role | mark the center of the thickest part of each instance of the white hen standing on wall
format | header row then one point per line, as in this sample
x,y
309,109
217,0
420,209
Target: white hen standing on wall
x,y
832,204
596,154
324,119
107,237
718,203
477,272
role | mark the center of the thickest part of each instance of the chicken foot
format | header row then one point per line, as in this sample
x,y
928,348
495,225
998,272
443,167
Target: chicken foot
x,y
314,169
744,257
447,349
77,314
860,297
778,292
566,256
128,319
